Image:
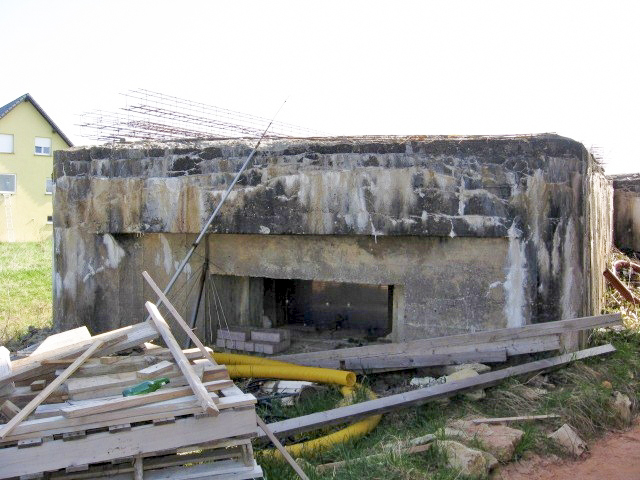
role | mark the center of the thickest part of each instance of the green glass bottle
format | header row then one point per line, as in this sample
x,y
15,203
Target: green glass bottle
x,y
145,387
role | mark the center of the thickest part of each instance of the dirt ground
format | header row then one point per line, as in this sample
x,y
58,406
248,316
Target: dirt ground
x,y
614,457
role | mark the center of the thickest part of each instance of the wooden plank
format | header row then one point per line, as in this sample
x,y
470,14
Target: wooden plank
x,y
155,370
96,407
399,362
103,447
211,372
33,365
9,409
423,395
196,341
176,407
283,451
37,385
512,347
115,364
162,462
101,382
524,418
31,406
23,395
63,339
433,345
196,385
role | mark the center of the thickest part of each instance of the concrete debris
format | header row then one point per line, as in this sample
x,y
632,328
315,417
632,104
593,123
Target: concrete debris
x,y
568,439
499,440
621,405
430,437
424,381
470,461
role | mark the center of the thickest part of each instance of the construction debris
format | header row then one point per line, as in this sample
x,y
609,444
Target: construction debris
x,y
80,426
267,341
568,439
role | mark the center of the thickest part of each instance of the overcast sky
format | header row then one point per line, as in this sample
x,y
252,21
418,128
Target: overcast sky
x,y
347,68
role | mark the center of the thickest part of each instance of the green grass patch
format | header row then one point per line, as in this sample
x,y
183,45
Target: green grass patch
x,y
25,288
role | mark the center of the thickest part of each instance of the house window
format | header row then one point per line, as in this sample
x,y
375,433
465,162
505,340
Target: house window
x,y
49,218
43,146
48,186
7,183
6,143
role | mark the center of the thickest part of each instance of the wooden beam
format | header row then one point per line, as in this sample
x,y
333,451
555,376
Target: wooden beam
x,y
514,340
9,410
424,395
176,407
524,418
33,404
490,340
196,385
96,407
155,370
33,366
404,361
63,339
196,341
287,456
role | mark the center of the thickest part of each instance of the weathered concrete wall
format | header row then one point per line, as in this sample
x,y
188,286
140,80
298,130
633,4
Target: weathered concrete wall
x,y
626,208
521,217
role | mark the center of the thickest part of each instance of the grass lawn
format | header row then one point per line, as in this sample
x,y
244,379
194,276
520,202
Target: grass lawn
x,y
25,288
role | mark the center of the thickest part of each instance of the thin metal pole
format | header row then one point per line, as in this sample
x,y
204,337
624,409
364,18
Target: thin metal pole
x,y
203,232
196,309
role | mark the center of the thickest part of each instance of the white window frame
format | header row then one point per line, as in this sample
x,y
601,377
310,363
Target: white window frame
x,y
36,147
46,180
15,184
13,146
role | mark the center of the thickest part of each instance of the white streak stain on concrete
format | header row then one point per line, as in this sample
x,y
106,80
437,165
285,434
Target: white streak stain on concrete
x,y
167,255
571,295
514,284
115,253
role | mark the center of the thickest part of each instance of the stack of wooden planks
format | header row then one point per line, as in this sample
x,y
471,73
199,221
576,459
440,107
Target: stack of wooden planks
x,y
488,346
66,417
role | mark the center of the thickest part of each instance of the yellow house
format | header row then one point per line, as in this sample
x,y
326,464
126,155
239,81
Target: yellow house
x,y
28,138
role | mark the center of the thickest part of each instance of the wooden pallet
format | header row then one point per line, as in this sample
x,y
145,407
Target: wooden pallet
x,y
89,430
97,440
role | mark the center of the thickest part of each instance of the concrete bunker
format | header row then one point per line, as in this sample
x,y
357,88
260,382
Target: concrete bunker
x,y
438,235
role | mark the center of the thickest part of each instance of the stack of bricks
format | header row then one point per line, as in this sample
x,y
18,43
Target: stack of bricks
x,y
269,341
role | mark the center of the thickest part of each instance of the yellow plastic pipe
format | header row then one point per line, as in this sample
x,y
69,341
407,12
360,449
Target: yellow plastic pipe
x,y
238,359
293,372
250,366
353,431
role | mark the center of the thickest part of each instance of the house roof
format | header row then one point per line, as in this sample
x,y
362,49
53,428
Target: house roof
x,y
4,110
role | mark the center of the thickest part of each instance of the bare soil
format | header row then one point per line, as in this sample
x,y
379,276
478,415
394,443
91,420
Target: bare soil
x,y
614,457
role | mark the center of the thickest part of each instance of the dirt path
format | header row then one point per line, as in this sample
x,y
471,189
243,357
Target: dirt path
x,y
615,457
